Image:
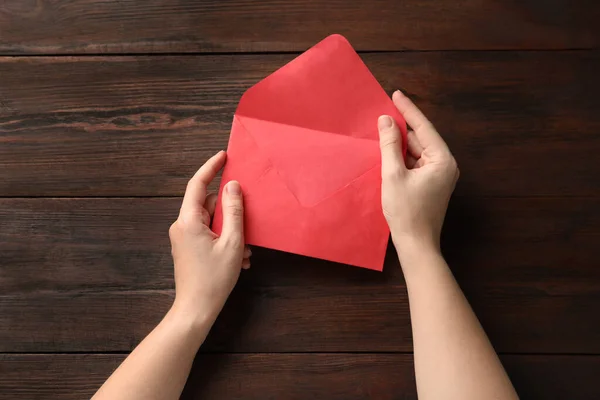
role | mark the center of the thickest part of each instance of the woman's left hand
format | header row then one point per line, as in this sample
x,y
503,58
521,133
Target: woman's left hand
x,y
207,266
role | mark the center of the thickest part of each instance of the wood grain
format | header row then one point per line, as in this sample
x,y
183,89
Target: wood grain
x,y
114,111
156,26
290,376
518,318
60,245
140,126
50,245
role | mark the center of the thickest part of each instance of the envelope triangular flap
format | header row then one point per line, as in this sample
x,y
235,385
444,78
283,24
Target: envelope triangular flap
x,y
314,165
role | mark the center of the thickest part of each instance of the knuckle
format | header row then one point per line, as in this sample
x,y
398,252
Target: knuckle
x,y
190,221
428,126
448,159
389,140
235,210
452,168
455,167
192,217
174,230
453,163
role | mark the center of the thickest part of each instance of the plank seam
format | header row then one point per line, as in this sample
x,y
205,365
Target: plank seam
x,y
118,352
263,53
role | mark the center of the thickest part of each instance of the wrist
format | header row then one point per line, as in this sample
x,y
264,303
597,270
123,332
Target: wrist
x,y
416,244
179,327
413,251
192,317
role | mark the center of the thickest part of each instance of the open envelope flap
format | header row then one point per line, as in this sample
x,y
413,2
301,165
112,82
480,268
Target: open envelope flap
x,y
314,165
328,88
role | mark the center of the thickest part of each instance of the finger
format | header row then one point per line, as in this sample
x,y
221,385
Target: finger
x,y
195,193
390,142
245,263
233,214
247,252
423,128
211,203
414,146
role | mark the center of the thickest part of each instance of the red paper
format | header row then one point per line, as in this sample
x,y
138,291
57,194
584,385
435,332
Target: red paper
x,y
304,146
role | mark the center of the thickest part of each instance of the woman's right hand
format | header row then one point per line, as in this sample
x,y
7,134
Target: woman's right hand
x,y
415,191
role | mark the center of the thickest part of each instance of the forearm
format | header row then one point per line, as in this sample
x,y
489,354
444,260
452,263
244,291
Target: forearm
x,y
159,366
453,356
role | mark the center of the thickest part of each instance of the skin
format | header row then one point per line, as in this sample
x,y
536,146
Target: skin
x,y
207,268
453,357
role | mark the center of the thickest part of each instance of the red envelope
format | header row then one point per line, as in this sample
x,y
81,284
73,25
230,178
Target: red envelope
x,y
304,146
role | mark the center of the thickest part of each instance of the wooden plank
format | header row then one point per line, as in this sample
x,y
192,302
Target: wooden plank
x,y
57,376
156,26
59,245
140,126
518,318
85,244
290,376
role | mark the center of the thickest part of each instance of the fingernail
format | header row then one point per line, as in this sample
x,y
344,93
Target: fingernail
x,y
234,188
384,122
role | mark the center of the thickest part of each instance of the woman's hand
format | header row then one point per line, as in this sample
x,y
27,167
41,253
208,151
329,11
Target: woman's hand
x,y
415,192
207,267
453,356
206,270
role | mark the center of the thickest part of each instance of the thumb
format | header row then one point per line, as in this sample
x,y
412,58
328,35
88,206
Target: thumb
x,y
390,142
233,214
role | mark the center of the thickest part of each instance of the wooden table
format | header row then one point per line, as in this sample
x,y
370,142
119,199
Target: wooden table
x,y
108,107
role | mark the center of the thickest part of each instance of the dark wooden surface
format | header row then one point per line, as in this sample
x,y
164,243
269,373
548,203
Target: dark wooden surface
x,y
251,376
295,376
509,117
97,26
107,108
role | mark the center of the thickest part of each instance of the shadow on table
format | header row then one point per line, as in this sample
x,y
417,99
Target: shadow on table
x,y
463,232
